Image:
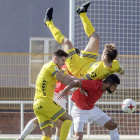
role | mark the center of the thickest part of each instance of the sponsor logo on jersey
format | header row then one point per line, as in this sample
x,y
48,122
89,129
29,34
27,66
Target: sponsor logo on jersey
x,y
93,75
56,68
109,73
43,87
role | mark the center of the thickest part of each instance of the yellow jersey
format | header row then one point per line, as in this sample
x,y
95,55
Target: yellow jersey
x,y
99,71
46,81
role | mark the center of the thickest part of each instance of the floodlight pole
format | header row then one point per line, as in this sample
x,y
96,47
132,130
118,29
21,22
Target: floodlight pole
x,y
71,38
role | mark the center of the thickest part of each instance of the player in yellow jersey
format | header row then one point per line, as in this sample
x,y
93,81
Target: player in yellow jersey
x,y
47,110
84,65
62,102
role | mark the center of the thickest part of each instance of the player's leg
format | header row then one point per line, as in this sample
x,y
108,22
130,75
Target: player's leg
x,y
100,118
47,112
73,59
67,45
67,122
47,133
29,128
78,129
113,130
58,125
93,45
80,117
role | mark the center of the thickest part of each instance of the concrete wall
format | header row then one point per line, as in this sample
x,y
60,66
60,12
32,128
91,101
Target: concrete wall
x,y
22,19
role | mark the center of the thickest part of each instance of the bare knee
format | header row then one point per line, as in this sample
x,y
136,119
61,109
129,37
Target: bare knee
x,y
35,120
113,126
67,44
58,124
47,131
70,118
110,125
94,36
66,41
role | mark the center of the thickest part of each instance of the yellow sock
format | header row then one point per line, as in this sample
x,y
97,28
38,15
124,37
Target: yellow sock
x,y
55,32
89,29
65,129
45,138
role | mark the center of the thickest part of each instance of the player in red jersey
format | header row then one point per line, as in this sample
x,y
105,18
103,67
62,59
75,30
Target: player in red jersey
x,y
34,122
85,109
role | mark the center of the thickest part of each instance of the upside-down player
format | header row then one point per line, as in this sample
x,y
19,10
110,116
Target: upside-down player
x,y
85,64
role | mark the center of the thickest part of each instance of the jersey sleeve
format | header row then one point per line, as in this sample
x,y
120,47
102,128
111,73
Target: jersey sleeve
x,y
119,67
53,70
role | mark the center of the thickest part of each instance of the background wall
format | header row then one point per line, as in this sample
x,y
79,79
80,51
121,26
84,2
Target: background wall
x,y
23,19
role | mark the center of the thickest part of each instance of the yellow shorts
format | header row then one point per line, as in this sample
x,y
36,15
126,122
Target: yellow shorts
x,y
47,111
79,65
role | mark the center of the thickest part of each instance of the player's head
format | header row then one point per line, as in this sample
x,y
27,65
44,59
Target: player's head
x,y
110,53
111,83
77,51
59,57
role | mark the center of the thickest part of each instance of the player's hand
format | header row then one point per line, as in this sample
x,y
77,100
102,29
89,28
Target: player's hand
x,y
84,92
60,95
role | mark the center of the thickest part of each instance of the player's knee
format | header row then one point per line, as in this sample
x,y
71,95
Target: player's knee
x,y
95,37
110,125
70,118
58,124
113,126
67,42
58,127
35,120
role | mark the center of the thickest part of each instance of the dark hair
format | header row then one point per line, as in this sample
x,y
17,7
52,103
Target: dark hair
x,y
112,79
60,53
77,50
111,52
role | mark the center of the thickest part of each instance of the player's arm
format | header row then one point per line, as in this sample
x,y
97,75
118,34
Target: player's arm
x,y
65,69
74,83
122,72
63,78
70,92
71,77
120,69
68,75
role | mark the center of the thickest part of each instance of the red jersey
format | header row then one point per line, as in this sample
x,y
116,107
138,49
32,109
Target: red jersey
x,y
59,85
94,90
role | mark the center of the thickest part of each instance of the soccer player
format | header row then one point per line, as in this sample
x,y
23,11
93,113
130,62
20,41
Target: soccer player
x,y
85,109
47,110
62,102
85,64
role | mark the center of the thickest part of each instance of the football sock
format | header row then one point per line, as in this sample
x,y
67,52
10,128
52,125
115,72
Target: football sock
x,y
89,29
56,138
55,32
65,129
114,134
45,138
28,129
